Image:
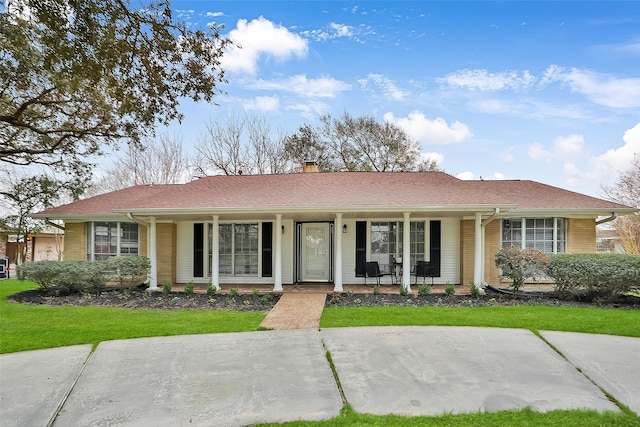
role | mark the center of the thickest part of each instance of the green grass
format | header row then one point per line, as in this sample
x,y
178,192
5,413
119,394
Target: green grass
x,y
524,418
28,327
535,318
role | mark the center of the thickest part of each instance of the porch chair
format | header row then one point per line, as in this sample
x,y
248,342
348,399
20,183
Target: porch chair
x,y
424,269
372,269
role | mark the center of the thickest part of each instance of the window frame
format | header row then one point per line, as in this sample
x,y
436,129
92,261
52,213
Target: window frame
x,y
234,250
535,232
123,245
397,229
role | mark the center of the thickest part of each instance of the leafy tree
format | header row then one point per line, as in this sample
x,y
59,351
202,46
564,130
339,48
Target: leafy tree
x,y
520,264
27,195
76,76
356,144
627,192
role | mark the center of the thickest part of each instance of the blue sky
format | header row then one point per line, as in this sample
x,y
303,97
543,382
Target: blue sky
x,y
545,90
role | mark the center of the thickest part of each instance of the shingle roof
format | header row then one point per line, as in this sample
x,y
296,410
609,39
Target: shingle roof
x,y
352,190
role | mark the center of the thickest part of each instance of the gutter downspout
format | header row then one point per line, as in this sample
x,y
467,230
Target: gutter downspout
x,y
53,224
613,216
481,284
153,284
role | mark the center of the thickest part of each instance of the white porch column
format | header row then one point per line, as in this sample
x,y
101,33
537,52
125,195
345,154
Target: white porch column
x,y
153,255
406,252
277,276
337,281
477,257
215,252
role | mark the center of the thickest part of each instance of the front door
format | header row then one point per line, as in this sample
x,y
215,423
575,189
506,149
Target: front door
x,y
314,251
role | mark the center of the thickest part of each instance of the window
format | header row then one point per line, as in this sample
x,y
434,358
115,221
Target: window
x,y
109,239
238,249
546,234
386,241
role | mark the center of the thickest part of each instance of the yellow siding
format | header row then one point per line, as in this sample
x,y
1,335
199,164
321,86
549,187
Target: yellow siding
x,y
581,236
492,244
166,244
75,241
467,250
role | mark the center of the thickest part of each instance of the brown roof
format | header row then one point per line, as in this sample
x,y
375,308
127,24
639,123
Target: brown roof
x,y
325,190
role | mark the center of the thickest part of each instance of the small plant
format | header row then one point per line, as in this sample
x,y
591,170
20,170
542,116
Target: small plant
x,y
424,289
246,302
350,291
376,290
404,290
188,288
212,300
357,301
211,290
166,287
234,292
266,299
520,264
255,292
474,290
450,289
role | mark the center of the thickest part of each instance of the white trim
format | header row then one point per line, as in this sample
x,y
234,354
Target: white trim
x,y
153,255
337,230
215,251
406,252
277,274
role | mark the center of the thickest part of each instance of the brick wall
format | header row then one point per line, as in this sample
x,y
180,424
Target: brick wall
x,y
492,244
467,250
166,248
75,241
581,236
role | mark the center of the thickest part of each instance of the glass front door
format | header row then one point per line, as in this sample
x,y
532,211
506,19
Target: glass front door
x,y
314,252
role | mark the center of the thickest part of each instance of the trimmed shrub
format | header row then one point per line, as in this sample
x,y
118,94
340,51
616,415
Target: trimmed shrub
x,y
166,287
65,277
211,290
603,276
129,271
520,264
450,289
424,289
188,288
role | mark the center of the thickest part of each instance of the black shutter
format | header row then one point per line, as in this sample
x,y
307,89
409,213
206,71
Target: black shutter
x,y
198,250
267,249
435,239
361,247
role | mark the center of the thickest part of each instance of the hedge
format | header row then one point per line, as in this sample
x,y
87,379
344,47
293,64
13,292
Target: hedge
x,y
598,275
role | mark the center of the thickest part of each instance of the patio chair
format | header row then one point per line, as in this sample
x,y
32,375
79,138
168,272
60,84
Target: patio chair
x,y
372,269
424,269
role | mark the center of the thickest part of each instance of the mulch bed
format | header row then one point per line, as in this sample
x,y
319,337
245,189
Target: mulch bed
x,y
490,299
156,301
138,299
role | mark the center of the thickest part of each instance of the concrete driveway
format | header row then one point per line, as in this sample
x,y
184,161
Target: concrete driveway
x,y
274,376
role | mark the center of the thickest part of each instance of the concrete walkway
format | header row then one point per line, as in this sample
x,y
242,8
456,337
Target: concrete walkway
x,y
296,310
236,379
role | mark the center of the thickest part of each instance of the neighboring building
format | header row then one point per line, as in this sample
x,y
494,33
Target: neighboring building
x,y
46,244
322,227
608,240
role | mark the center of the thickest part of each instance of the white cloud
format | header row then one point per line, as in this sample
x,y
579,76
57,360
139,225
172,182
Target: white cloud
x,y
507,157
259,38
603,89
334,31
498,175
435,131
569,146
484,81
262,103
437,157
213,14
467,176
605,168
311,109
324,87
538,152
619,159
388,86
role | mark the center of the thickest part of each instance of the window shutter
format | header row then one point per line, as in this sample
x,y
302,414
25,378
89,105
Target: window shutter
x,y
267,249
435,241
198,250
361,247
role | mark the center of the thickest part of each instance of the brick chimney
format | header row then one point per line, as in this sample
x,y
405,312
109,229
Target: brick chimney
x,y
310,166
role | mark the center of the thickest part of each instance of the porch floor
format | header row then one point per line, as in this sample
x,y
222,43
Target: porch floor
x,y
321,288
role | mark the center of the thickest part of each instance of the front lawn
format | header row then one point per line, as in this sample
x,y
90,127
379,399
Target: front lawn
x,y
29,327
534,318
